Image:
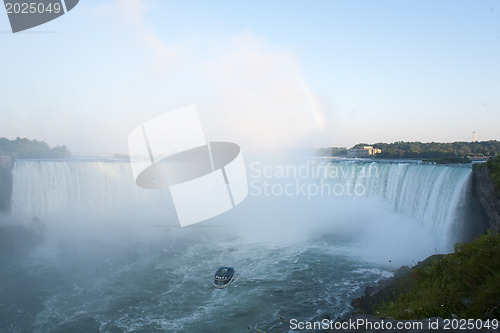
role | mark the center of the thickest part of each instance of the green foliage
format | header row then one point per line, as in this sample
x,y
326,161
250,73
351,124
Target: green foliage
x,y
465,283
360,145
435,150
493,166
455,152
24,148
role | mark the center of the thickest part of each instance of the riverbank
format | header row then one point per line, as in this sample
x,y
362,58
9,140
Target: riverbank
x,y
461,285
486,188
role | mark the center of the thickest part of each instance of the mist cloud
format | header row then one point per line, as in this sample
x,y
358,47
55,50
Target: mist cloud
x,y
246,89
261,99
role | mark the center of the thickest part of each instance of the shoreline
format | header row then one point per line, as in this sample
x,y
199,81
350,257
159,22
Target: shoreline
x,y
463,282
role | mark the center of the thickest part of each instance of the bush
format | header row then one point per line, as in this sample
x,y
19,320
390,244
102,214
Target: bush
x,y
24,148
493,166
465,284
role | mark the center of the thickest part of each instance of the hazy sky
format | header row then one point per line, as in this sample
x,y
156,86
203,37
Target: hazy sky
x,y
264,74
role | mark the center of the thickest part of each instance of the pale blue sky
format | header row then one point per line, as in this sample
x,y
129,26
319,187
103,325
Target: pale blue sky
x,y
264,74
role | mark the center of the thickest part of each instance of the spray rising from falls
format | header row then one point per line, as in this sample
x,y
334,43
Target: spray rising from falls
x,y
45,188
384,200
433,195
100,269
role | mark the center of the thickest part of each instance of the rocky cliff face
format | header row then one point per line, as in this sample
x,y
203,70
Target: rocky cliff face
x,y
6,163
485,191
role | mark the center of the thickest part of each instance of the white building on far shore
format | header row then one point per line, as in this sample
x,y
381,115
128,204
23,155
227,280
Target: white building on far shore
x,y
366,151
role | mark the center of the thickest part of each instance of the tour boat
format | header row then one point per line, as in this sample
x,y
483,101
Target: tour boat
x,y
223,277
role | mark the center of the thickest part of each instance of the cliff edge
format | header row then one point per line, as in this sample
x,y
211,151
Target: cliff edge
x,y
6,163
486,191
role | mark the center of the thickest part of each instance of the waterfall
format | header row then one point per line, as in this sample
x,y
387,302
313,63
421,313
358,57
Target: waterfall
x,y
45,187
432,194
435,195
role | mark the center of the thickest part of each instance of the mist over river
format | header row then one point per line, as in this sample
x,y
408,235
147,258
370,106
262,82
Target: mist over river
x,y
308,238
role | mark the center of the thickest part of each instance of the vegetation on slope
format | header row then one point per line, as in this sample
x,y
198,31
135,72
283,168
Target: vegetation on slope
x,y
465,284
24,148
493,166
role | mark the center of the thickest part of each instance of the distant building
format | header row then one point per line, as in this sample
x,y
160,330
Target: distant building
x,y
366,151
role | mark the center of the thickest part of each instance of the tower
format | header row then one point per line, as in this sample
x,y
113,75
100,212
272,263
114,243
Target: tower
x,y
474,136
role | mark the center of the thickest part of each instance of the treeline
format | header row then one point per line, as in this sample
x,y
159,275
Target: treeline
x,y
493,166
434,150
25,148
454,151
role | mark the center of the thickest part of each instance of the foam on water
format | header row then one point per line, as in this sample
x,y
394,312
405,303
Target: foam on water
x,y
165,284
115,259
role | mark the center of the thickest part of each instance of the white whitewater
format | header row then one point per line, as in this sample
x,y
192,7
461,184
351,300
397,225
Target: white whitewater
x,y
99,272
431,194
43,188
435,195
